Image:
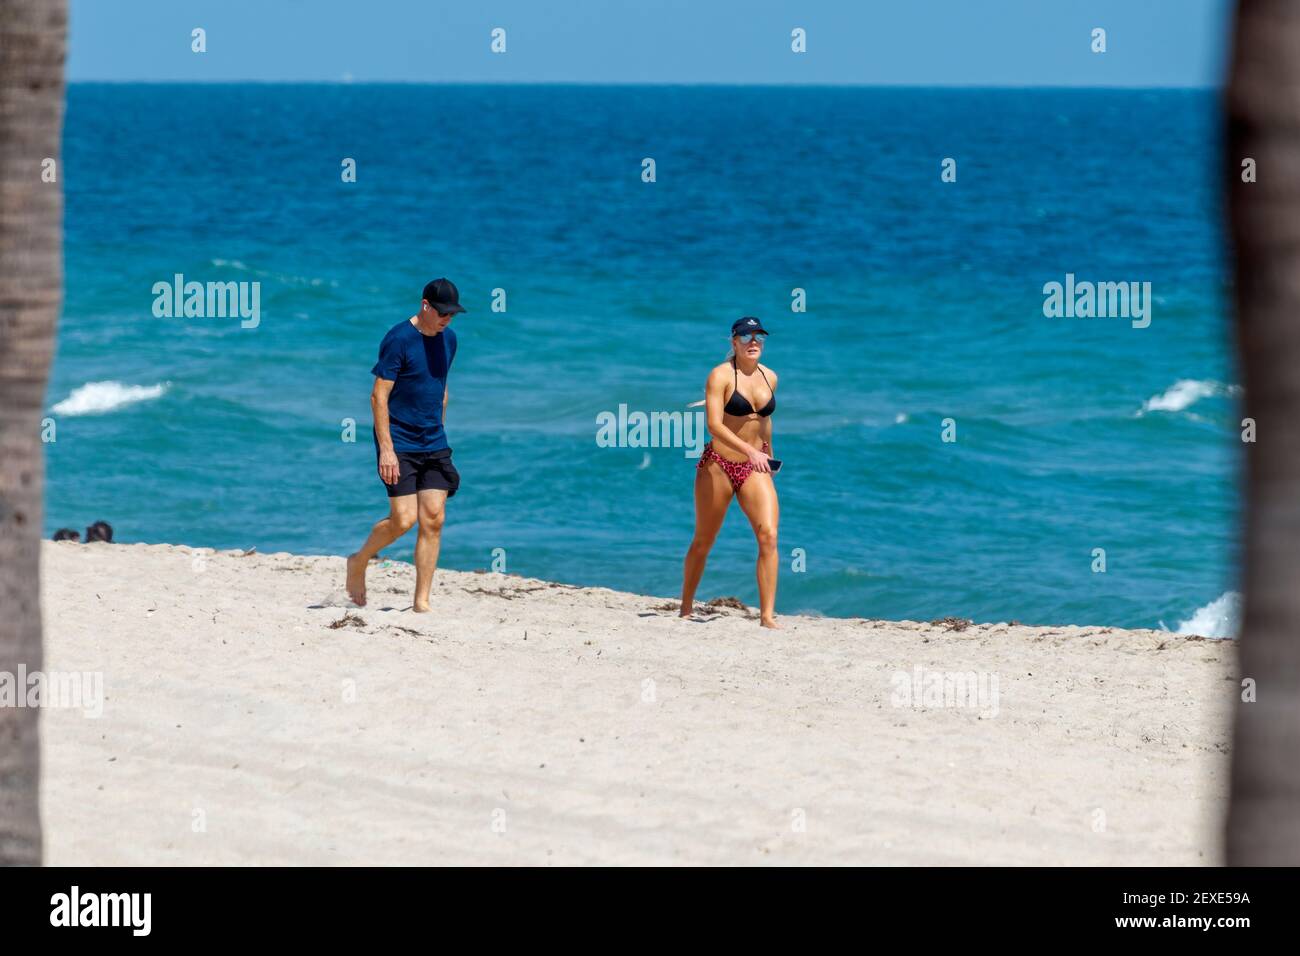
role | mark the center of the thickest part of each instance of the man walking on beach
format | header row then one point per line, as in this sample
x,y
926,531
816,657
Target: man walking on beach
x,y
409,401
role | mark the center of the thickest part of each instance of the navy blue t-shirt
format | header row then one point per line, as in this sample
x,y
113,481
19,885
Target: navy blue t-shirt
x,y
417,365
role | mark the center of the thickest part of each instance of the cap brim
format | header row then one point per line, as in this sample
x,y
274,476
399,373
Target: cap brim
x,y
448,309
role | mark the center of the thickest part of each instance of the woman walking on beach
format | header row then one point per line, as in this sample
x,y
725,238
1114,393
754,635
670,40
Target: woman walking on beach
x,y
739,399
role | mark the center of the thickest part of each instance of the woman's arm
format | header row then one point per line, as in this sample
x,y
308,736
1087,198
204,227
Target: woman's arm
x,y
767,422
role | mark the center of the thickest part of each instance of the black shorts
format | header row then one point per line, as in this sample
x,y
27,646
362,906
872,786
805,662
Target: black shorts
x,y
424,471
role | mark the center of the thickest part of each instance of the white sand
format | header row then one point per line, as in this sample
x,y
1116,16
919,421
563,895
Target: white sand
x,y
537,724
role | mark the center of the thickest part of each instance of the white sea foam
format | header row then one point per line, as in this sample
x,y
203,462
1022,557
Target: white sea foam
x,y
287,278
1186,392
96,398
1220,618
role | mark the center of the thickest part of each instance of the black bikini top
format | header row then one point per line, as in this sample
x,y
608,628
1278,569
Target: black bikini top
x,y
739,405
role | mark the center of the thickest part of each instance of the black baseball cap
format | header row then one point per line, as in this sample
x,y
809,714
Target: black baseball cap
x,y
443,296
747,326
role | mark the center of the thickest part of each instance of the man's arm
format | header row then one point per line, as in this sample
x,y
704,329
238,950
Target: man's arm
x,y
388,467
446,394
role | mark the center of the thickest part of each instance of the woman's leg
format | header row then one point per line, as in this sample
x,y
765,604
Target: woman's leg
x,y
757,497
712,496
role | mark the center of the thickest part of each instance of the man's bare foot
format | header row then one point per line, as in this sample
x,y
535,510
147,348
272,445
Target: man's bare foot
x,y
687,610
357,580
770,622
421,607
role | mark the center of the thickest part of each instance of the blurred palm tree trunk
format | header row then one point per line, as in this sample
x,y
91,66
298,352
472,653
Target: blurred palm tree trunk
x,y
33,40
1264,125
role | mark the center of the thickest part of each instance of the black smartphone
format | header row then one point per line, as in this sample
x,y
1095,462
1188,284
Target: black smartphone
x,y
774,464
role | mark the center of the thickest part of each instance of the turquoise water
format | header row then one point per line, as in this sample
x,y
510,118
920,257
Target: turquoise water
x,y
924,302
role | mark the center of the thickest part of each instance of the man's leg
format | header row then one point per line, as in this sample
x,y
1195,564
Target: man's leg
x,y
401,518
432,508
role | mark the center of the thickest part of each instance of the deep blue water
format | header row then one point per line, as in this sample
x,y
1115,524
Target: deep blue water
x,y
924,302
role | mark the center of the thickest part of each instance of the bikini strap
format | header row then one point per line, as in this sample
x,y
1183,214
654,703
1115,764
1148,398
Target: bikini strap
x,y
765,381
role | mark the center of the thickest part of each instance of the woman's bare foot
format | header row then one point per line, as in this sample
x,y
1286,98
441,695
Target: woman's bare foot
x,y
421,607
687,610
357,580
770,622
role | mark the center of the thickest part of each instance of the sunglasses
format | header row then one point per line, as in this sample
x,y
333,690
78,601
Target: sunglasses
x,y
758,337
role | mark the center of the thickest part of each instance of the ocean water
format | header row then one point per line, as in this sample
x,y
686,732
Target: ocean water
x,y
924,303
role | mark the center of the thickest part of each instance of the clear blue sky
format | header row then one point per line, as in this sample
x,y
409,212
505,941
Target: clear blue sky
x,y
918,42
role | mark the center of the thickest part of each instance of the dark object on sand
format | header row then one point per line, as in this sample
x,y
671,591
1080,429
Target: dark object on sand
x,y
347,620
67,534
99,531
731,602
952,623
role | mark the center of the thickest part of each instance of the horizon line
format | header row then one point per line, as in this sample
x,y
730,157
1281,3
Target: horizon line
x,y
649,83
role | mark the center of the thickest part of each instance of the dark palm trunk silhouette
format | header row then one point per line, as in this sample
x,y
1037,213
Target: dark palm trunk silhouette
x,y
33,39
1263,104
